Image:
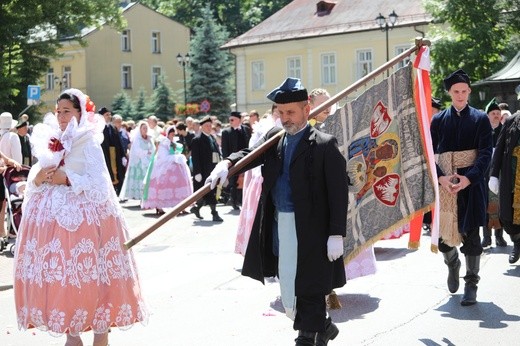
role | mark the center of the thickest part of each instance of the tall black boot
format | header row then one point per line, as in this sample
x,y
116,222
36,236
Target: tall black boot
x,y
472,279
486,237
499,238
451,258
330,333
305,338
214,212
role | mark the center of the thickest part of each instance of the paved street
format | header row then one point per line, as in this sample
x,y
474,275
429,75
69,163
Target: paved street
x,y
192,284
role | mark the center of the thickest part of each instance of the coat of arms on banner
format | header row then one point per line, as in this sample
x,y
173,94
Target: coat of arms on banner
x,y
379,135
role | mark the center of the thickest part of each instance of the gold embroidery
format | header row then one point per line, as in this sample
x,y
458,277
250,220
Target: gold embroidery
x,y
449,162
516,188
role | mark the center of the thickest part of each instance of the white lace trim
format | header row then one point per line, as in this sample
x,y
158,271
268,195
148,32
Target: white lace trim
x,y
83,265
69,209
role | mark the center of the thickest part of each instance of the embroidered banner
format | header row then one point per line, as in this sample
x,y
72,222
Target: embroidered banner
x,y
390,182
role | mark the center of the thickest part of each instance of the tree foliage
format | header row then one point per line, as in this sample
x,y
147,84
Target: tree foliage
x,y
475,35
31,32
237,16
211,74
161,104
140,106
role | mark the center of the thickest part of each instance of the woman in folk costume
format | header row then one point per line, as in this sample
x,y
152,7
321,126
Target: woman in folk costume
x,y
252,188
72,273
168,180
365,263
141,152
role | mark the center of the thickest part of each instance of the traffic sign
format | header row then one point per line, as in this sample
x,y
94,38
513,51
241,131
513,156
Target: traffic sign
x,y
33,94
205,106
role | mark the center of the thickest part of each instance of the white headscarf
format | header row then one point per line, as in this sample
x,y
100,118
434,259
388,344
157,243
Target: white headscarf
x,y
90,124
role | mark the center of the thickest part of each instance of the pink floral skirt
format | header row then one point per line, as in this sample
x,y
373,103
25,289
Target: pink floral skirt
x,y
71,282
168,186
251,191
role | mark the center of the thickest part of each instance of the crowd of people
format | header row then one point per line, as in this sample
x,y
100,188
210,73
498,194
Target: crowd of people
x,y
85,162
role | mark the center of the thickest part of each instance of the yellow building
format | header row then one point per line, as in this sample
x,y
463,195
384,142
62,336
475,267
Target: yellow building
x,y
114,61
328,44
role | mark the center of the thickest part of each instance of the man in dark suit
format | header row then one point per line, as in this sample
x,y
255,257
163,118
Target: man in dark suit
x,y
301,217
205,154
113,151
185,138
234,138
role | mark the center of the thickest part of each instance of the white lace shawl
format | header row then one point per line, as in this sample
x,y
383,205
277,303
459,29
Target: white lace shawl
x,y
91,196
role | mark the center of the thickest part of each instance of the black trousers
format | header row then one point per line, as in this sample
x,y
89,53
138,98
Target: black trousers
x,y
471,245
210,198
311,313
234,192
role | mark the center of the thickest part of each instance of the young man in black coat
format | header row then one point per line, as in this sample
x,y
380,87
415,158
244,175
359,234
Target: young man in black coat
x,y
234,138
301,218
205,154
113,151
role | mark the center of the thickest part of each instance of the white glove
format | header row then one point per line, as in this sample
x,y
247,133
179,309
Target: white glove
x,y
124,161
198,177
334,247
493,185
218,175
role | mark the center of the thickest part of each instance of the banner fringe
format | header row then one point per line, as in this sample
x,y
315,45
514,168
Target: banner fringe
x,y
385,232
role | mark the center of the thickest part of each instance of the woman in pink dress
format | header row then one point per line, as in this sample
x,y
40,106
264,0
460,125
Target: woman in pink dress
x,y
72,273
168,180
252,186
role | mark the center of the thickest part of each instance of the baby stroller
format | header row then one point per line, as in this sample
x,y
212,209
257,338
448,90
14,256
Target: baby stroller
x,y
14,182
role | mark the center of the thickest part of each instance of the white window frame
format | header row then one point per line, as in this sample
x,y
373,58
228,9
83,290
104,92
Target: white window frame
x,y
328,68
399,50
126,76
294,67
156,42
364,62
156,74
257,75
49,79
67,75
126,40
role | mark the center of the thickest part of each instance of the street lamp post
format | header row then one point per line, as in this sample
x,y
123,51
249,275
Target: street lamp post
x,y
184,61
383,24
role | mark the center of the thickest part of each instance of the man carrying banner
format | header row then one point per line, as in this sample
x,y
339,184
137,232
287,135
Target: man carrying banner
x,y
301,217
462,142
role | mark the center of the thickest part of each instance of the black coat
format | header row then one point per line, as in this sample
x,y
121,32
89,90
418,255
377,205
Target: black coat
x,y
112,139
501,167
469,131
234,140
319,189
202,161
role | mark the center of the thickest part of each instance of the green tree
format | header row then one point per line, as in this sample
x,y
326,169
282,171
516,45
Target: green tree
x,y
237,16
122,104
31,32
210,67
140,106
161,103
211,76
474,35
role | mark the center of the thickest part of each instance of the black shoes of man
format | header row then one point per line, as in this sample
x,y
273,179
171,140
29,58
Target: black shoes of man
x,y
318,339
515,254
196,210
